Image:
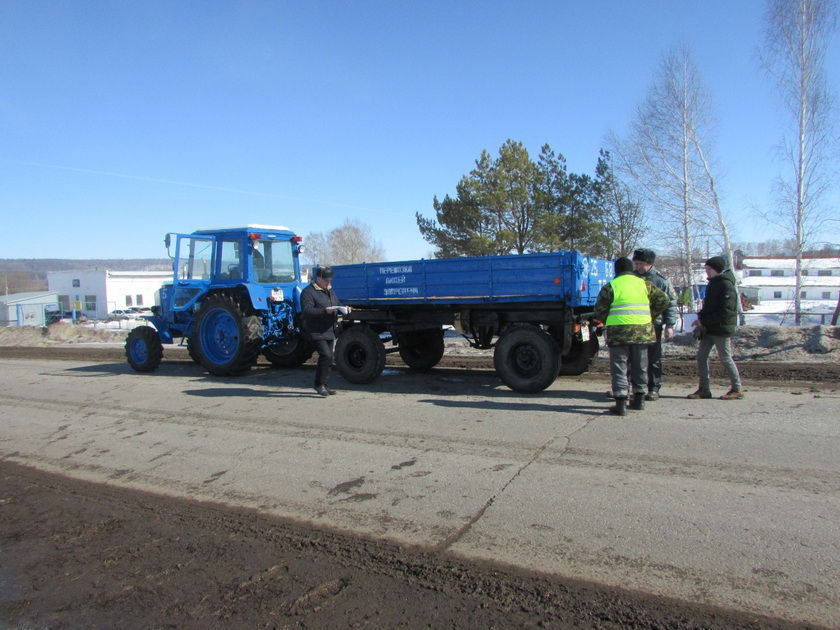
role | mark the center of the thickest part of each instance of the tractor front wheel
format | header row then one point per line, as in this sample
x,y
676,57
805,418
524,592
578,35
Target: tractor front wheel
x,y
143,349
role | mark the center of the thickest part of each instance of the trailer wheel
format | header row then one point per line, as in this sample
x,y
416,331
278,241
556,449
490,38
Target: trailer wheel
x,y
289,353
421,350
579,358
143,349
359,354
228,341
527,358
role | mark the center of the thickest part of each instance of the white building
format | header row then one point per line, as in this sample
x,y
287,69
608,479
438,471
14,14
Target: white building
x,y
97,293
774,278
26,309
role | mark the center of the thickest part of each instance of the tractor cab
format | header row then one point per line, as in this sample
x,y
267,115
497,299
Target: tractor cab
x,y
261,254
261,258
234,294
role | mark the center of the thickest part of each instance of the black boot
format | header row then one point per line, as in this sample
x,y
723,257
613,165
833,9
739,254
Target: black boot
x,y
620,407
638,402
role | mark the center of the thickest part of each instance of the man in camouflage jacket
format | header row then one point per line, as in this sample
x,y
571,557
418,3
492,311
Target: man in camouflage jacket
x,y
628,342
663,325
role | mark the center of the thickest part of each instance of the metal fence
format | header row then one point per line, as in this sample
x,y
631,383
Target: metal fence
x,y
787,319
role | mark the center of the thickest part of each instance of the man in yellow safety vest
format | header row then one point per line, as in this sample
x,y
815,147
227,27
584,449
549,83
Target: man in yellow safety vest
x,y
627,306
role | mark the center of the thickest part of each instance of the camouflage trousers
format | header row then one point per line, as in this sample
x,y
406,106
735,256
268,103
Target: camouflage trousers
x,y
630,358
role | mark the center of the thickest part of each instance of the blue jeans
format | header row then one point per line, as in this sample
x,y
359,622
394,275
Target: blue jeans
x,y
724,350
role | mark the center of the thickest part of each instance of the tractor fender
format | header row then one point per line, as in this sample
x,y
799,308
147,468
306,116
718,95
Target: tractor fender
x,y
259,295
162,327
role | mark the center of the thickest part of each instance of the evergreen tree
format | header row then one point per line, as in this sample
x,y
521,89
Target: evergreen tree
x,y
511,204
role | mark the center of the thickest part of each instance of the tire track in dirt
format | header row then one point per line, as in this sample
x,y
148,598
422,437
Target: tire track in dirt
x,y
157,561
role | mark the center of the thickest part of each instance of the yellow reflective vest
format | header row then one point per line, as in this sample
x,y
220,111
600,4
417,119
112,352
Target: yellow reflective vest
x,y
631,303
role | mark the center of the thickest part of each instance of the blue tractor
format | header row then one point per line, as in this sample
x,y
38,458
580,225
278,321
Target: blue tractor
x,y
235,294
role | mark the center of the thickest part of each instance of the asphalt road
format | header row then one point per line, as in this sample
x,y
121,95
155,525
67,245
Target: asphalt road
x,y
735,504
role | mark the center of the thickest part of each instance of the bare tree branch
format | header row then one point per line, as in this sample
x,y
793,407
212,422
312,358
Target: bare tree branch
x,y
350,243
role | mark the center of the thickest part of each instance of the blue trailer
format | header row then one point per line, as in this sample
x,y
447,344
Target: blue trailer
x,y
534,309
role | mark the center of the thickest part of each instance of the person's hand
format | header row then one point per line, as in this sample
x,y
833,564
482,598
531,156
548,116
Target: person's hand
x,y
667,332
349,309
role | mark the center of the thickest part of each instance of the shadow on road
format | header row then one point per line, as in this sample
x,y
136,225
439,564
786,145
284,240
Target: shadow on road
x,y
440,383
512,406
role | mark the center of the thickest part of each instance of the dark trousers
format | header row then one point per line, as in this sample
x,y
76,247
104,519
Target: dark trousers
x,y
324,348
654,372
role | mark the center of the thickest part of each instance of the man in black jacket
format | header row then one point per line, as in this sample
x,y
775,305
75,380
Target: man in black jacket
x,y
320,307
714,326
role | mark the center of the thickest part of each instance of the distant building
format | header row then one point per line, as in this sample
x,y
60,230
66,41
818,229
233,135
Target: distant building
x,y
773,278
27,309
97,293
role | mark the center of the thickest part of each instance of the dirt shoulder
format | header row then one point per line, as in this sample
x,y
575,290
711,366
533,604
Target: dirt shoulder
x,y
78,554
679,369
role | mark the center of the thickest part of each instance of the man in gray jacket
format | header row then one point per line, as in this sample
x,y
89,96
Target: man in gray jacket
x,y
643,260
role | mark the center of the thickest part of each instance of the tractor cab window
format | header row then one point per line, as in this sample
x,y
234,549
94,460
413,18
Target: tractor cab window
x,y
258,251
195,258
231,267
272,261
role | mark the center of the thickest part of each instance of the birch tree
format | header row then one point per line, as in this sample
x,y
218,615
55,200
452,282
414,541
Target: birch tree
x,y
797,33
350,243
658,157
667,156
717,217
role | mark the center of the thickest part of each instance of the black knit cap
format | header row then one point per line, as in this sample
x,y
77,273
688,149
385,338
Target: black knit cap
x,y
623,265
324,272
645,255
718,263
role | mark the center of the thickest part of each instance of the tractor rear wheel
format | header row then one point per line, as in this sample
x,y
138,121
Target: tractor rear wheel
x,y
227,341
422,349
289,353
143,349
191,350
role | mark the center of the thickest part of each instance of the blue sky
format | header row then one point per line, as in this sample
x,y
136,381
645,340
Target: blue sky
x,y
120,121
